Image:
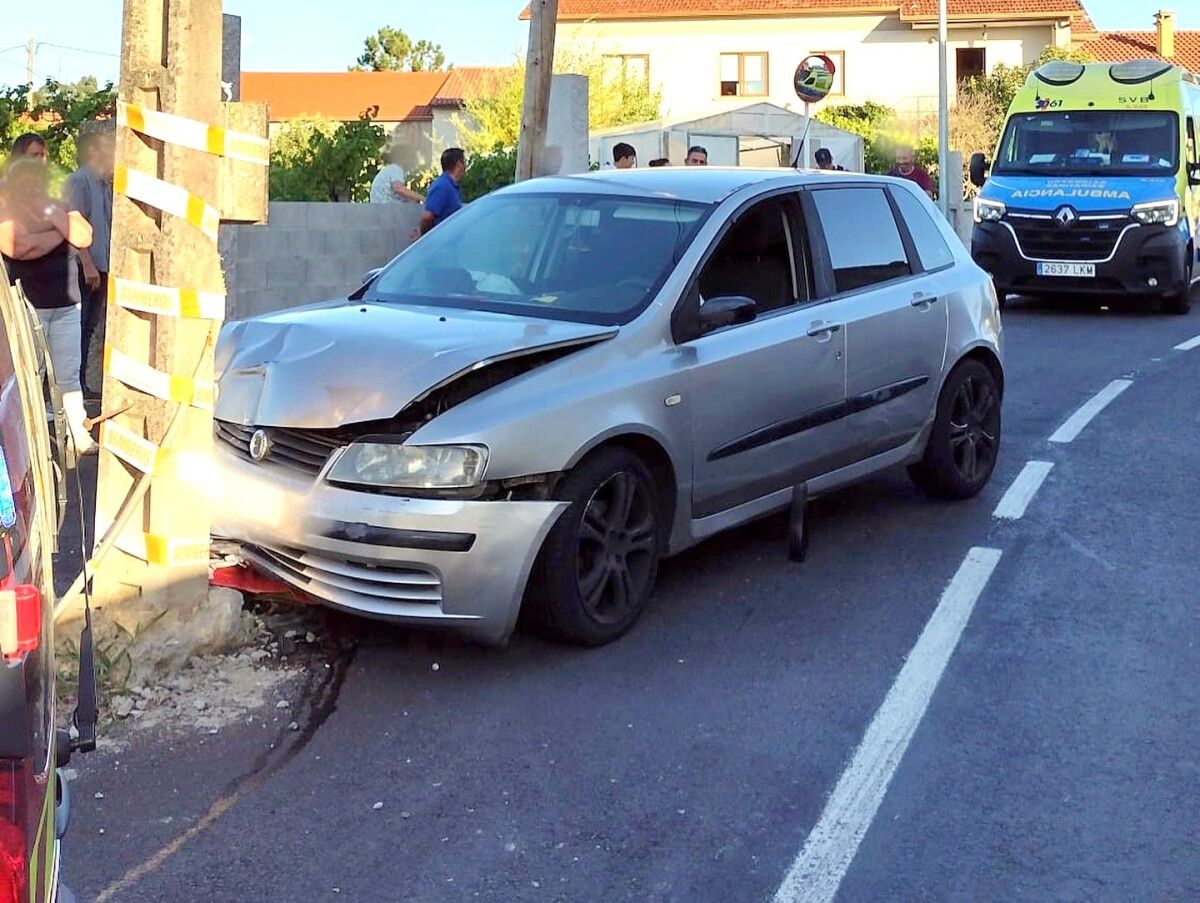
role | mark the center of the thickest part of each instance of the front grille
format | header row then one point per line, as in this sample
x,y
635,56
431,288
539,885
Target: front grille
x,y
306,450
1084,239
336,578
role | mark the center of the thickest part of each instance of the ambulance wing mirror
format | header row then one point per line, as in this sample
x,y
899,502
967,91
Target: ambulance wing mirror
x,y
978,168
1194,174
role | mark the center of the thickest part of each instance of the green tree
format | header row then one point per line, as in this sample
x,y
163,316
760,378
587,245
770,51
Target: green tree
x,y
55,110
64,107
392,50
322,160
492,118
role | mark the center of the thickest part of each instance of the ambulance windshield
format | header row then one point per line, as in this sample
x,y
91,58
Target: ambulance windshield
x,y
1090,143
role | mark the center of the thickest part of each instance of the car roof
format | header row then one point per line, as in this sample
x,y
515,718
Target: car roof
x,y
700,184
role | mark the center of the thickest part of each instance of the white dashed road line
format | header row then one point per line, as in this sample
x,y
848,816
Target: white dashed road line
x,y
1012,506
1193,342
1097,403
818,871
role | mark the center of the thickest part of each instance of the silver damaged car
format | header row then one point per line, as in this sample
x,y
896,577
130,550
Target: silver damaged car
x,y
574,377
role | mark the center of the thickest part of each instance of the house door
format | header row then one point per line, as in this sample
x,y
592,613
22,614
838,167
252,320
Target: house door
x,y
971,63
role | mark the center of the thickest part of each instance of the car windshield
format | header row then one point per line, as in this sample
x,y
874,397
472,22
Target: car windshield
x,y
584,257
1090,143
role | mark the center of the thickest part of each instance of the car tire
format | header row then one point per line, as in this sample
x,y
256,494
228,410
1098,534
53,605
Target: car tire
x,y
965,439
596,570
1002,297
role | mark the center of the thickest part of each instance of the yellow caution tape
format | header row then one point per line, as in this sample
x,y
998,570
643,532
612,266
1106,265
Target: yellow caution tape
x,y
169,198
181,389
211,139
166,302
163,550
130,447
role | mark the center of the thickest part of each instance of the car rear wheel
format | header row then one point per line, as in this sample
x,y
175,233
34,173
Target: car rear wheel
x,y
596,570
965,440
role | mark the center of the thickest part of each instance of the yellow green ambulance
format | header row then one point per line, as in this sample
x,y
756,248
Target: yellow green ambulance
x,y
1095,185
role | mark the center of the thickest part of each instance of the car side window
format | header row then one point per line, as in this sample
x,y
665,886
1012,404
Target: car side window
x,y
861,234
932,249
1193,149
761,257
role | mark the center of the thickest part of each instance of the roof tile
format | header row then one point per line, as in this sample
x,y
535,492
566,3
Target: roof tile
x,y
1119,46
344,96
653,9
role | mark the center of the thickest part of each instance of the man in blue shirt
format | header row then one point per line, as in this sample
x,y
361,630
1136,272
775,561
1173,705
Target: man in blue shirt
x,y
444,196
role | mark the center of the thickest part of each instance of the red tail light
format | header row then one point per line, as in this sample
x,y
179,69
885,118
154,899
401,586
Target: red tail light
x,y
14,837
20,622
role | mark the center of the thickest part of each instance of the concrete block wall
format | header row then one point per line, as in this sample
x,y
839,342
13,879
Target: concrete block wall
x,y
309,252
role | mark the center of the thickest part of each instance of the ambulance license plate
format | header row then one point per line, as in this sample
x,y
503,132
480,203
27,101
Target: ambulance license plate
x,y
1076,270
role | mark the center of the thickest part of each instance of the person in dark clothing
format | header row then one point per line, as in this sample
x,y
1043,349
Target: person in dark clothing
x,y
444,196
39,240
89,190
660,161
825,160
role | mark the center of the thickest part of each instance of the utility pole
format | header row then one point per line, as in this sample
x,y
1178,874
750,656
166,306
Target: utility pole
x,y
159,367
943,116
30,57
539,69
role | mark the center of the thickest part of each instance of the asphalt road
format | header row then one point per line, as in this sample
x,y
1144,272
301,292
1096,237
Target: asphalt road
x,y
761,722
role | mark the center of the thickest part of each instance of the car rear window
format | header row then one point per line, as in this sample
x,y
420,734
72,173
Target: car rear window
x,y
864,241
931,245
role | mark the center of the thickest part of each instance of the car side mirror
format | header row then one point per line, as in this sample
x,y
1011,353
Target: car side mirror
x,y
978,169
717,313
1194,174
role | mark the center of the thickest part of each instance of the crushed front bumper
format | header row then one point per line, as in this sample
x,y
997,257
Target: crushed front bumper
x,y
431,562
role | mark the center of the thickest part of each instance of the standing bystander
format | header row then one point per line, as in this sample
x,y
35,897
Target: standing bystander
x,y
89,190
390,186
907,167
39,240
445,197
696,156
624,156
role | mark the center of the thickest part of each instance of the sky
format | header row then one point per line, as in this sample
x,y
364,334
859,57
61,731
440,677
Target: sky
x,y
82,37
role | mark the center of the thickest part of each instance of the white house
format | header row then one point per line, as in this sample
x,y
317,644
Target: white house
x,y
706,55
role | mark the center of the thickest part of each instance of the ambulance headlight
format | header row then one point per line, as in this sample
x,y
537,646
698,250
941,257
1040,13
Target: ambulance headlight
x,y
1157,213
988,211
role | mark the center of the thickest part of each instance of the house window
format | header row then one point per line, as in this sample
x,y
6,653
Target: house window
x,y
743,74
628,69
971,63
838,58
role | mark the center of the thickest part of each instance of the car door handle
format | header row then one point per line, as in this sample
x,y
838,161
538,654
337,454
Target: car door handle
x,y
819,328
922,300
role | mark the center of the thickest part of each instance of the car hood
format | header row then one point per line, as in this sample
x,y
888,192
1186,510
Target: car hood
x,y
338,363
1085,194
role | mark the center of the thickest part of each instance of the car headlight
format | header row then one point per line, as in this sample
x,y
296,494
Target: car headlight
x,y
392,465
988,211
1157,213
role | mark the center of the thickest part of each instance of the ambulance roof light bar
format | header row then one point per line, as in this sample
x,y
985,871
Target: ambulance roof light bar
x,y
1060,72
1135,72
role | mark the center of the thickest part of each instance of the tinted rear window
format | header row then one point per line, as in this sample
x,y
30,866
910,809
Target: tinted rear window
x,y
931,245
864,242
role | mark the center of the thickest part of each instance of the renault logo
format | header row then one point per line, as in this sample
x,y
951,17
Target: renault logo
x,y
1065,216
260,445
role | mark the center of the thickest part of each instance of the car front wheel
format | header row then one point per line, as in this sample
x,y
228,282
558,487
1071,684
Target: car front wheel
x,y
596,570
965,439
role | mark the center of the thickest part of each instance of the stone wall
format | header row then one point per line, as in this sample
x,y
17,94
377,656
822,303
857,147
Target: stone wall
x,y
309,252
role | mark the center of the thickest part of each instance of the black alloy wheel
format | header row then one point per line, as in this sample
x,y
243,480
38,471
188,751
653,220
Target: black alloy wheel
x,y
975,428
595,572
964,441
617,548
